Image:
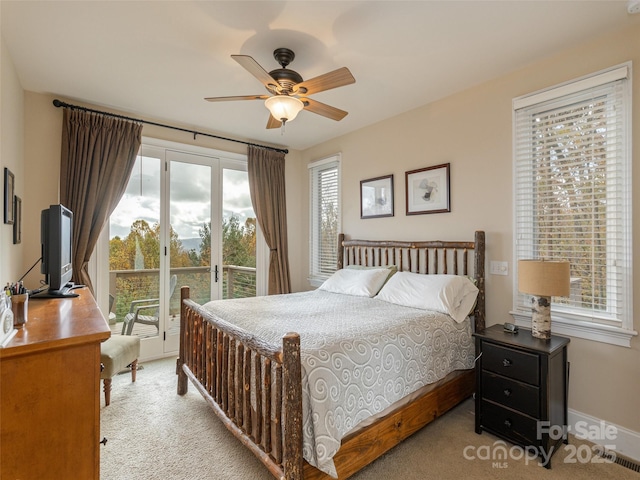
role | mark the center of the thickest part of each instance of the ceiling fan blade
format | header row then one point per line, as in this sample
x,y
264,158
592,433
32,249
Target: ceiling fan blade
x,y
242,97
323,109
257,71
337,78
273,123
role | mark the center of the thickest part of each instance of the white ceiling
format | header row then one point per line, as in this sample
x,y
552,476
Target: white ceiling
x,y
161,58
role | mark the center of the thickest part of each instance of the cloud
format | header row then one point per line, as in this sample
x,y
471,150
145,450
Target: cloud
x,y
190,192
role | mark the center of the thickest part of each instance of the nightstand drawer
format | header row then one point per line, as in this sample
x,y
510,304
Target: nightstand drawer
x,y
511,393
507,423
511,363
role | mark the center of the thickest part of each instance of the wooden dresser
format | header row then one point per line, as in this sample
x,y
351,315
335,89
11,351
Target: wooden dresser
x,y
50,391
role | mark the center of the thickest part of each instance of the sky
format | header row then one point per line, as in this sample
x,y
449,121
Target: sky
x,y
190,187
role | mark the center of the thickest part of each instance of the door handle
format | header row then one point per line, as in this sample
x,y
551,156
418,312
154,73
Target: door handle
x,y
215,274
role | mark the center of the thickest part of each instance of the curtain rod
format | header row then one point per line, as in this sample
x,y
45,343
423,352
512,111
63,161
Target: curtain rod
x,y
57,103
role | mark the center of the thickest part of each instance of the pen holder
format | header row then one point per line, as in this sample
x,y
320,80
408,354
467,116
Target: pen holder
x,y
19,306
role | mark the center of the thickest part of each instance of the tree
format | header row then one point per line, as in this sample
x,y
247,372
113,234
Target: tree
x,y
140,249
238,242
205,244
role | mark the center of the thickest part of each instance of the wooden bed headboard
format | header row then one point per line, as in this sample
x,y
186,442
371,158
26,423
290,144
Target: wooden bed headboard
x,y
429,257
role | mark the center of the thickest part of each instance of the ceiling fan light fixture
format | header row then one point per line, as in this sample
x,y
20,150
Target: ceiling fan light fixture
x,y
283,107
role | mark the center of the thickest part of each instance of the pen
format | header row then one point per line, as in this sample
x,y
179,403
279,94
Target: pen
x,y
15,289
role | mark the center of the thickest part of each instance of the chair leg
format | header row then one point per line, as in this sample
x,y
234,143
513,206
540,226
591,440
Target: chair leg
x,y
134,369
130,326
107,391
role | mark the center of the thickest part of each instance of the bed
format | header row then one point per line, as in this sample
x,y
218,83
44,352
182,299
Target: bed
x,y
262,380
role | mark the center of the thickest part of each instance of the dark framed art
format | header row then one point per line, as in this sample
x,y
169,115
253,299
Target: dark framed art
x,y
376,197
9,193
17,220
428,190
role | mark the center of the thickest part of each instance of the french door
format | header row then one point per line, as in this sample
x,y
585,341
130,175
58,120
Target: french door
x,y
185,219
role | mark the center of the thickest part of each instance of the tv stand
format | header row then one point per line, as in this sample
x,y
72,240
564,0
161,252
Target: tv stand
x,y
64,292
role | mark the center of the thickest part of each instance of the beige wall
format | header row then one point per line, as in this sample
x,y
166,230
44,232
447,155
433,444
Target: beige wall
x,y
472,131
42,160
11,157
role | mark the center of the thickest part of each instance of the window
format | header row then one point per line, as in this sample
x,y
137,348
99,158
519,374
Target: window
x,y
186,209
572,195
324,188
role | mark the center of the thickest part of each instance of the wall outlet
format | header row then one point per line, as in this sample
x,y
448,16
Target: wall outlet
x,y
498,268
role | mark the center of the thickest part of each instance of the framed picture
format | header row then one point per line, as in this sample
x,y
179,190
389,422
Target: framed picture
x,y
376,197
17,222
427,190
9,193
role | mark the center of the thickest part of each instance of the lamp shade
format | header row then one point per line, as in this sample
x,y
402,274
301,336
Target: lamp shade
x,y
284,107
544,278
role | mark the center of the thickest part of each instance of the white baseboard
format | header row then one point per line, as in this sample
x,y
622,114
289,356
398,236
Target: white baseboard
x,y
614,437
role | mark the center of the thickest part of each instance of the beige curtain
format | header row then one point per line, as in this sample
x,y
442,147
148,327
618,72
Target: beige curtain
x,y
266,184
98,154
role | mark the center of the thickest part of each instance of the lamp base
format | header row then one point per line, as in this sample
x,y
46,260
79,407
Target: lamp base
x,y
541,317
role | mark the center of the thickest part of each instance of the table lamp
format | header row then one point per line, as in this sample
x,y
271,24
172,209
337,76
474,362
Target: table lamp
x,y
543,279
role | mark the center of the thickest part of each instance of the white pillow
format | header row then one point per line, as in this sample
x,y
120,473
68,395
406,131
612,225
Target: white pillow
x,y
450,294
363,283
392,269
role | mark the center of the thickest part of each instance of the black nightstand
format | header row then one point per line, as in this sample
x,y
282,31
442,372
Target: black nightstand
x,y
522,389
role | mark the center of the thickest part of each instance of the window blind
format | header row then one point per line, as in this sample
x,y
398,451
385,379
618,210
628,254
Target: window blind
x,y
572,181
325,217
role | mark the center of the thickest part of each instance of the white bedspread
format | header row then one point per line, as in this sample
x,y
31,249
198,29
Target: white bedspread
x,y
359,355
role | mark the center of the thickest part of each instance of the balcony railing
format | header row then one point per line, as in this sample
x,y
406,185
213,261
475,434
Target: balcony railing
x,y
128,285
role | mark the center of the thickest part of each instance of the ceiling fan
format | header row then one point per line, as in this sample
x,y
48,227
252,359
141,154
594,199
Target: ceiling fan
x,y
289,91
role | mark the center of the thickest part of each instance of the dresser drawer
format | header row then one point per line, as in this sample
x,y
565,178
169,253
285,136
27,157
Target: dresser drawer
x,y
509,424
511,393
511,363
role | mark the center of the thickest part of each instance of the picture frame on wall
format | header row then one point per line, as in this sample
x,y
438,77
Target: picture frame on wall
x,y
376,197
9,193
428,190
17,223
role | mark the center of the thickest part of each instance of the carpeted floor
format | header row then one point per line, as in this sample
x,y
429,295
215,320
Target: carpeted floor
x,y
153,433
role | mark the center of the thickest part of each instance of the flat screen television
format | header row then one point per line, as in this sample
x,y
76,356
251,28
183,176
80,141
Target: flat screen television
x,y
56,233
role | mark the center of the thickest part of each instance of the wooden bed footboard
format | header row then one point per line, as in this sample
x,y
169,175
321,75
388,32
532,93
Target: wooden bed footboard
x,y
233,370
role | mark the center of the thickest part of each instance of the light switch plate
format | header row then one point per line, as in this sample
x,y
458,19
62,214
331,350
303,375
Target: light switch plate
x,y
498,268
